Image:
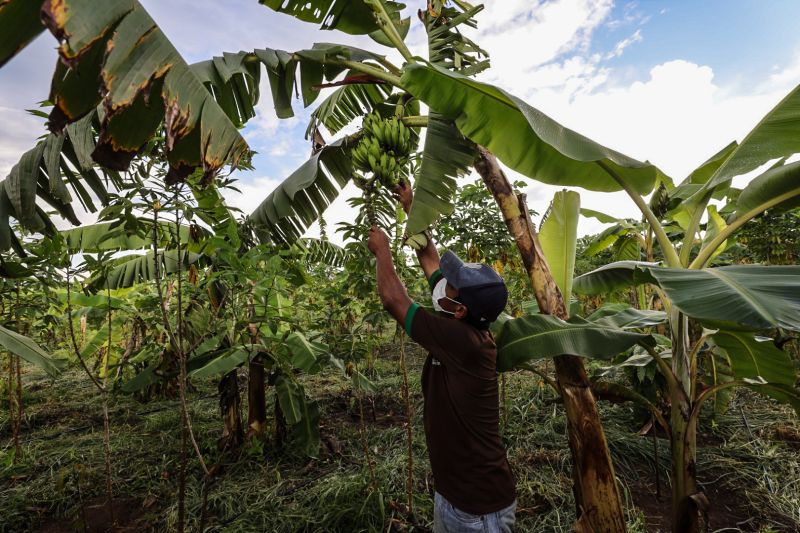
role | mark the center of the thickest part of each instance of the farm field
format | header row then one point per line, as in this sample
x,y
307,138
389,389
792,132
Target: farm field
x,y
59,484
355,265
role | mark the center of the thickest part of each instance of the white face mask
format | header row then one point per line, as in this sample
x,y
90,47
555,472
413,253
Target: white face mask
x,y
438,294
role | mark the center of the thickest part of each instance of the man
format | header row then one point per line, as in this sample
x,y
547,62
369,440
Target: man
x,y
473,480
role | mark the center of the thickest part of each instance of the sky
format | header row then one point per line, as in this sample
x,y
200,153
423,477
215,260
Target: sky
x,y
671,82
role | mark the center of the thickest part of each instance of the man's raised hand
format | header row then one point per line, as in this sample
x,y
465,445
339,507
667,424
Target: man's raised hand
x,y
377,241
402,193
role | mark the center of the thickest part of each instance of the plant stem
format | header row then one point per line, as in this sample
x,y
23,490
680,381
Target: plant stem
x,y
667,249
706,394
547,379
389,29
12,409
20,410
363,432
597,499
416,121
106,422
182,355
74,341
692,229
370,70
409,429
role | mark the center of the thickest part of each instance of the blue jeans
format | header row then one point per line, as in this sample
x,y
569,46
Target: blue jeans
x,y
448,519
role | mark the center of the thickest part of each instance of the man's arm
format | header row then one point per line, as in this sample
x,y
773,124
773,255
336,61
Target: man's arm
x,y
428,257
392,293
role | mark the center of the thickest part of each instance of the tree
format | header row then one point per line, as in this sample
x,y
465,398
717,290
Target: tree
x,y
518,132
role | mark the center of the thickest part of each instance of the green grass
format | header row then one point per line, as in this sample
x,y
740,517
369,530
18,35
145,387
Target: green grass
x,y
264,489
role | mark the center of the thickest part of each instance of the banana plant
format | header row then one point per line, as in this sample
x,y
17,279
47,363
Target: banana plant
x,y
531,143
115,57
447,154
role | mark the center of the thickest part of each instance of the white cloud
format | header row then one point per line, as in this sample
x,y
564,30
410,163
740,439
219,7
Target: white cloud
x,y
18,135
520,36
624,43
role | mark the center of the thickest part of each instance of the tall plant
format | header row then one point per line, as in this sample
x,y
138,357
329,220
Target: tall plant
x,y
446,155
730,299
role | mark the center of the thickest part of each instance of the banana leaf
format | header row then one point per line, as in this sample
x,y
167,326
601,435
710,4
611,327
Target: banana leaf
x,y
543,336
299,201
523,137
766,368
777,135
750,297
27,349
559,238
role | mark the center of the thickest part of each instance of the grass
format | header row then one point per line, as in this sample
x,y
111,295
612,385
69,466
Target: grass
x,y
265,489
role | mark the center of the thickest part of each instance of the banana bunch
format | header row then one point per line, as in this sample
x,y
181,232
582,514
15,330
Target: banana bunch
x,y
366,147
383,149
391,133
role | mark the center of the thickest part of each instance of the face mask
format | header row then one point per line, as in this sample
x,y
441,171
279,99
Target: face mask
x,y
438,294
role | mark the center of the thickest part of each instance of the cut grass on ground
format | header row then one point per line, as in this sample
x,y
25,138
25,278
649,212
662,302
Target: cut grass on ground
x,y
748,462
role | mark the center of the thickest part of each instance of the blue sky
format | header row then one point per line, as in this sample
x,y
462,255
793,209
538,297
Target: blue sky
x,y
667,81
743,40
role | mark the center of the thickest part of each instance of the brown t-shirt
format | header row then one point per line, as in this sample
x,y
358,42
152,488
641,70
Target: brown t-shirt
x,y
461,414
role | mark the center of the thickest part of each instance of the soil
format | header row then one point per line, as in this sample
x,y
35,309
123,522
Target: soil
x,y
730,509
379,411
130,516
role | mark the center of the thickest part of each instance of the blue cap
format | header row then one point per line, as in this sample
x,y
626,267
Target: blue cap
x,y
479,287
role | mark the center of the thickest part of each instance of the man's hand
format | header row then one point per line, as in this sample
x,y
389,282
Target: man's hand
x,y
402,193
378,240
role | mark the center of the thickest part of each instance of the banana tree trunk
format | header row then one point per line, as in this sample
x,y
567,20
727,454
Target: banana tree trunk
x,y
229,404
688,504
597,498
256,399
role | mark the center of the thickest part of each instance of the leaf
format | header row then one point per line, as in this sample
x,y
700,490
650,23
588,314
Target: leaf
x,y
614,276
302,197
21,22
448,46
606,238
776,135
345,104
714,226
361,382
143,81
129,270
21,185
751,359
106,236
602,217
233,80
753,297
305,434
776,187
559,238
349,16
27,349
322,61
629,318
223,364
290,396
446,156
305,354
543,336
523,137
694,182
627,248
